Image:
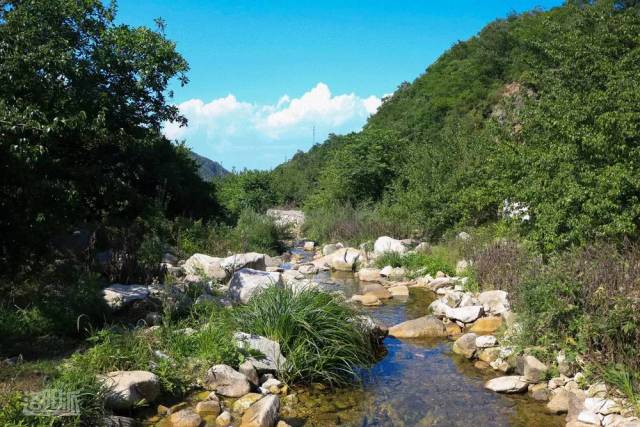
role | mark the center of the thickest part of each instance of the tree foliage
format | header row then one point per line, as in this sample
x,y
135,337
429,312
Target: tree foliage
x,y
82,101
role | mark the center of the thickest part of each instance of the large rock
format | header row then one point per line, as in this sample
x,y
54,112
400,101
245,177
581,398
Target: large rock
x,y
387,244
533,370
125,389
508,384
375,289
466,345
247,282
422,327
494,302
205,265
252,260
369,275
345,259
118,296
226,381
465,314
263,413
272,359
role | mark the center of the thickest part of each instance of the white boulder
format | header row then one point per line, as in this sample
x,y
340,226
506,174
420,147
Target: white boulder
x,y
387,244
247,282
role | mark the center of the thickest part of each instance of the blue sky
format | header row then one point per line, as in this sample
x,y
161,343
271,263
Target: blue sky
x,y
265,73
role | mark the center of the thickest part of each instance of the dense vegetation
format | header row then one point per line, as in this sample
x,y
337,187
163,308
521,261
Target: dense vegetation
x,y
538,108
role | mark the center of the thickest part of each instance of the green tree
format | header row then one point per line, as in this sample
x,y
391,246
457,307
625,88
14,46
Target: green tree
x,y
82,102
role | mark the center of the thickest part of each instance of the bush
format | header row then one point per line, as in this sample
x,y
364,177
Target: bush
x,y
253,232
585,300
322,337
504,265
54,304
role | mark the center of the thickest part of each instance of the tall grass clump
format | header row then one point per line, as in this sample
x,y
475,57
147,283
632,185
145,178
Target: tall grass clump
x,y
323,338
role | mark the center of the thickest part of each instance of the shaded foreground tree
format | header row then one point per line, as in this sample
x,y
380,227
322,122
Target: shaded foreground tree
x,y
82,101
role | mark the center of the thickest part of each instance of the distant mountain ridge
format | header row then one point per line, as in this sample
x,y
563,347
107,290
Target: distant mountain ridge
x,y
207,168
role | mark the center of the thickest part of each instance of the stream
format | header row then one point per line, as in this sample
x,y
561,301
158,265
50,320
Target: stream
x,y
417,383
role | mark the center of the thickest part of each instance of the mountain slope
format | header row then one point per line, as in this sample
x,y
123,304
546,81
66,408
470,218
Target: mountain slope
x,y
207,168
537,108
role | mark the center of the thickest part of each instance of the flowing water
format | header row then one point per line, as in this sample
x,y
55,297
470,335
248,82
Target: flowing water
x,y
417,383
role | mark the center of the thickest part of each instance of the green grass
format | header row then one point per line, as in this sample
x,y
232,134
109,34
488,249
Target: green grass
x,y
626,381
416,263
321,336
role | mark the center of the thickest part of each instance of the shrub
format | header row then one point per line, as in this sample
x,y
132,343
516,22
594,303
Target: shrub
x,y
322,338
504,265
253,232
260,233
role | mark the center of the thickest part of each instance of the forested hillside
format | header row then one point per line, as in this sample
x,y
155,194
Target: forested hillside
x,y
539,108
207,168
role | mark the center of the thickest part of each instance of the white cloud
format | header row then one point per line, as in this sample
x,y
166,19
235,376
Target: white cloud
x,y
226,125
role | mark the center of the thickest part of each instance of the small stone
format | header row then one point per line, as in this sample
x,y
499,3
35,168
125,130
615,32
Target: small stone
x,y
559,403
376,289
208,408
367,300
242,404
249,371
485,341
185,418
399,291
224,419
479,364
589,417
508,384
533,370
226,381
489,355
597,390
369,275
557,382
539,391
263,413
465,345
465,314
453,329
486,325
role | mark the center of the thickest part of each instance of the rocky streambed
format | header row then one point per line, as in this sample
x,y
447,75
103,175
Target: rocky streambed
x,y
446,362
419,382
